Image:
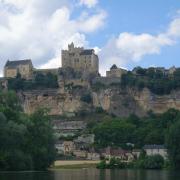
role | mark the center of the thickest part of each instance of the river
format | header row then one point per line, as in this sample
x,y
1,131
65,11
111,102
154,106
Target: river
x,y
92,174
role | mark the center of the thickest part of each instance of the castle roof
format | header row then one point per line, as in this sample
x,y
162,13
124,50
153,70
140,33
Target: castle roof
x,y
114,67
87,52
14,64
154,146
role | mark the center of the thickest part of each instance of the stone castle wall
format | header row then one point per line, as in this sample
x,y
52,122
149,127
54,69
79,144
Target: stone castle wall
x,y
80,59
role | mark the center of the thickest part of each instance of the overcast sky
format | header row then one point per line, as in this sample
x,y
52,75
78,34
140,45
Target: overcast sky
x,y
128,33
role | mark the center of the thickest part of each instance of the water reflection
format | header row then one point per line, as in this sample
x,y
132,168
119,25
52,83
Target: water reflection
x,y
92,174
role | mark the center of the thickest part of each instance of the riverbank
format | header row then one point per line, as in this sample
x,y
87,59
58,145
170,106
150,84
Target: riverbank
x,y
76,164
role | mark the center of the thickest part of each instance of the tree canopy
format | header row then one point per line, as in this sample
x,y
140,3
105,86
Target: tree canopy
x,y
26,142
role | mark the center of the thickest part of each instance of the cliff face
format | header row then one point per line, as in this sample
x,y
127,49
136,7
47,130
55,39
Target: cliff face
x,y
58,103
124,102
118,101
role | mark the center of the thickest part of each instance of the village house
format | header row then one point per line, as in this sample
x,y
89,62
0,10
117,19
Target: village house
x,y
84,142
156,149
136,153
119,153
68,147
94,156
59,146
80,154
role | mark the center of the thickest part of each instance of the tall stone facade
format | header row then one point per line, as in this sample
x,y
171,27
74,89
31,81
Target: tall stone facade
x,y
80,59
22,67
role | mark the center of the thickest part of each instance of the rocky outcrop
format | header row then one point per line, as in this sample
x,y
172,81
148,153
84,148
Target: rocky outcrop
x,y
115,100
123,102
156,103
57,103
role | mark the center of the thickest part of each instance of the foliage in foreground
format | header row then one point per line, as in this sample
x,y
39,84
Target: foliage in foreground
x,y
153,129
148,162
26,142
173,145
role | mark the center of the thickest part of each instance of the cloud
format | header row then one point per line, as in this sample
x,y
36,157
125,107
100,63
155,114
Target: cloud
x,y
89,3
174,28
131,48
40,29
89,24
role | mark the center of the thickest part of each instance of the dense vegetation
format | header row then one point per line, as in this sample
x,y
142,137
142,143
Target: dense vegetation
x,y
173,139
26,142
114,131
153,129
146,162
155,80
39,81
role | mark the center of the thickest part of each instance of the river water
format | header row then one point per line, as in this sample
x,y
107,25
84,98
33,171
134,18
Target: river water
x,y
92,174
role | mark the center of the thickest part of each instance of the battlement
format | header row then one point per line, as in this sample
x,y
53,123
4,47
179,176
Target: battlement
x,y
80,59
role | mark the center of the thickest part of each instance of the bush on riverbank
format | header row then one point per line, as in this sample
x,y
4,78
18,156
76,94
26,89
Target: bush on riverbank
x,y
149,162
26,142
114,163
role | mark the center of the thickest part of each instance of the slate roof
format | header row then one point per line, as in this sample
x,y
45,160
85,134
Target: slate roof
x,y
87,52
14,64
154,146
114,67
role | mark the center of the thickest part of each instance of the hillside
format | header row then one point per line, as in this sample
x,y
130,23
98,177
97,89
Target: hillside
x,y
69,92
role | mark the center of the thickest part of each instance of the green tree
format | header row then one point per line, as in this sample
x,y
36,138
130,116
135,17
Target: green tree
x,y
26,143
114,132
41,140
173,145
153,162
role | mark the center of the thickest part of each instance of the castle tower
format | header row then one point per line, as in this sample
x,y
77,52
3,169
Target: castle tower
x,y
80,59
71,47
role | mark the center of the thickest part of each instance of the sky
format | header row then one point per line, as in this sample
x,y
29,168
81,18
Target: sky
x,y
127,33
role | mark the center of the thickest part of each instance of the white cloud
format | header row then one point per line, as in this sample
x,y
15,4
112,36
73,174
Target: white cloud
x,y
174,28
130,47
39,29
91,23
89,3
136,46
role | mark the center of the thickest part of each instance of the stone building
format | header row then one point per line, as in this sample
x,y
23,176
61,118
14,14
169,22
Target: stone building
x,y
22,67
68,147
115,72
156,150
80,59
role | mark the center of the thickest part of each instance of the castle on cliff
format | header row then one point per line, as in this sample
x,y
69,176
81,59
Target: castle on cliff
x,y
80,59
77,58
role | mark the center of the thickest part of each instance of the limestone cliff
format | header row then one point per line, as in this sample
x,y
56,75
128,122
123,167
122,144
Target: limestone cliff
x,y
56,102
118,101
123,102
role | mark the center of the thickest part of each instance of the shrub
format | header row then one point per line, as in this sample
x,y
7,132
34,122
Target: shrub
x,y
150,162
114,163
102,164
